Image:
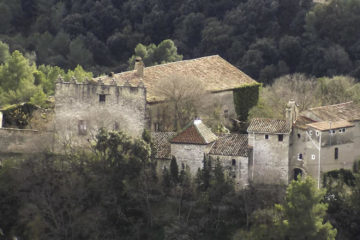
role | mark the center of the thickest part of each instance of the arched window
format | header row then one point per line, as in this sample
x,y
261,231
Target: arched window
x,y
297,173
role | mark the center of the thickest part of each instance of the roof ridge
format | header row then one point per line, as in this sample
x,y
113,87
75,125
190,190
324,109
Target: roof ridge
x,y
269,119
169,63
198,131
337,104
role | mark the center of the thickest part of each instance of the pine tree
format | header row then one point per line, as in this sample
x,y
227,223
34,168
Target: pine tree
x,y
174,171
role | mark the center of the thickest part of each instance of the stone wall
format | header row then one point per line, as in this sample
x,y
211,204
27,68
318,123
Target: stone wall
x,y
270,163
190,155
82,109
235,167
25,141
345,142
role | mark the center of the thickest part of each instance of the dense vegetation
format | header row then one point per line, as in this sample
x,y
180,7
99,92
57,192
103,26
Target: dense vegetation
x,y
264,38
114,192
22,81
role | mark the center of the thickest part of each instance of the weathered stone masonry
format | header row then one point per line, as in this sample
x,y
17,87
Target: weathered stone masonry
x,y
83,108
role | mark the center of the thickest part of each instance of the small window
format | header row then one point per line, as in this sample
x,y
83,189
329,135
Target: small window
x,y
102,98
280,137
340,130
317,133
300,156
116,126
310,132
82,127
332,131
343,130
299,136
312,156
266,136
233,162
336,153
226,113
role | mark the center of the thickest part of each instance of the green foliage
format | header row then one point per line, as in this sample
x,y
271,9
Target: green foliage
x,y
304,212
244,99
337,89
301,216
342,196
151,55
18,115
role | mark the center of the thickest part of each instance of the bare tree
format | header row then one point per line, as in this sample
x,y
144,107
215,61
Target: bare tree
x,y
297,86
183,97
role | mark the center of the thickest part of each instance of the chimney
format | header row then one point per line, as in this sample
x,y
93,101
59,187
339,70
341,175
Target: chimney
x,y
139,67
291,112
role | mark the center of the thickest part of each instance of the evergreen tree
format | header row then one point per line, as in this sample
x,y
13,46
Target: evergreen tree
x,y
174,171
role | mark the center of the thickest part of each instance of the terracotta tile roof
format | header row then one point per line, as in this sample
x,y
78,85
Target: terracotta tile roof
x,y
327,125
302,121
344,111
231,145
215,72
195,133
161,141
265,125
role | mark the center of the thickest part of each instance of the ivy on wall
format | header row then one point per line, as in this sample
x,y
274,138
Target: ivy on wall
x,y
245,98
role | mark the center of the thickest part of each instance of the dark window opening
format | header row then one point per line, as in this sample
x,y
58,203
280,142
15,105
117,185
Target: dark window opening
x,y
82,127
299,136
226,113
300,156
266,136
336,153
233,162
102,98
297,173
281,137
116,126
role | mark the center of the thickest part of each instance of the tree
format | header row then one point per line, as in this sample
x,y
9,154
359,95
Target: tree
x,y
183,96
174,171
300,217
337,89
297,86
151,54
303,212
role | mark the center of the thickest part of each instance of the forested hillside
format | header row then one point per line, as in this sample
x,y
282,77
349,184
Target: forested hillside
x,y
264,38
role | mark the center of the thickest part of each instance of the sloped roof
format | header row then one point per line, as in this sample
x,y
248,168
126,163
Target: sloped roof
x,y
302,121
266,125
161,141
195,133
213,71
231,145
344,111
327,125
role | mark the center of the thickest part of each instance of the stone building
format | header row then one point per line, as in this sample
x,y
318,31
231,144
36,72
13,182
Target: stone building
x,y
190,145
195,141
269,139
313,142
325,138
233,152
81,109
217,76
